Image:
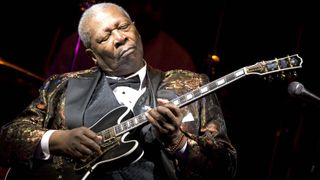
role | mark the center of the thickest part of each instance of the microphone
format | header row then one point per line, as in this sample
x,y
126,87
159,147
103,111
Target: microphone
x,y
296,89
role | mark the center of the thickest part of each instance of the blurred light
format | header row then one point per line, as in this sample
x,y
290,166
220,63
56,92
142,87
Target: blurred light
x,y
215,58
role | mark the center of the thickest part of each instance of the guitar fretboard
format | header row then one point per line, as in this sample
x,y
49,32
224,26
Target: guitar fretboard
x,y
130,124
181,101
208,88
123,127
260,68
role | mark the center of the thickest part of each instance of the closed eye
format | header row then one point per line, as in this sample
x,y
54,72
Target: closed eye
x,y
124,27
105,38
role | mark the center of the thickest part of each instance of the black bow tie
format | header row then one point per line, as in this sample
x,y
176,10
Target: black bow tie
x,y
133,82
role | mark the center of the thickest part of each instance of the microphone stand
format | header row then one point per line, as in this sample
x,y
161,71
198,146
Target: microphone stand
x,y
313,164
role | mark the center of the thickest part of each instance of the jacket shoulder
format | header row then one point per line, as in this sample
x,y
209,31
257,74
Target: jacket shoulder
x,y
58,79
183,80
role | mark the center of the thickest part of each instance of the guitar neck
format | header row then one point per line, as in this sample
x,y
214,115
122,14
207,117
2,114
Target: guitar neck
x,y
260,68
181,101
208,88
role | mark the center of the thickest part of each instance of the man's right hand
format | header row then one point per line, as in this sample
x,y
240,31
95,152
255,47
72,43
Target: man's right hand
x,y
76,143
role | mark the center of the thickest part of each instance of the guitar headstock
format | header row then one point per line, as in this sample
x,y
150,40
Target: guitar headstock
x,y
275,65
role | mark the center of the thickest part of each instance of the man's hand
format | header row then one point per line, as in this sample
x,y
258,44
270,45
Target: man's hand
x,y
167,119
75,143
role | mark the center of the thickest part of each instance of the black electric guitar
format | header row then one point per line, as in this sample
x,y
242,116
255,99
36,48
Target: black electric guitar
x,y
118,149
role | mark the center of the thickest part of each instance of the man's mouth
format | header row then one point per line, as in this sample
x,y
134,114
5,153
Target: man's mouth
x,y
126,52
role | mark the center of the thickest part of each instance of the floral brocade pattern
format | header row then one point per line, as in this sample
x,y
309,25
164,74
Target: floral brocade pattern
x,y
182,81
209,151
45,112
208,144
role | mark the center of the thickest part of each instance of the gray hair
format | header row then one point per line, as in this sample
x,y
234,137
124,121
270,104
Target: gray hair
x,y
83,29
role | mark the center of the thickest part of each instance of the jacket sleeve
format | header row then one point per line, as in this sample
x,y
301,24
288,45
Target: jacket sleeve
x,y
209,153
20,137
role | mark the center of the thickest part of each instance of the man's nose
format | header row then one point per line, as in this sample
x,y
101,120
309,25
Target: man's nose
x,y
119,38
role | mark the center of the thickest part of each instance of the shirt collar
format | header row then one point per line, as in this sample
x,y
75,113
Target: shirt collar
x,y
141,73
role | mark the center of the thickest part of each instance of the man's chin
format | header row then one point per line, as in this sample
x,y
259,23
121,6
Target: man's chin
x,y
125,70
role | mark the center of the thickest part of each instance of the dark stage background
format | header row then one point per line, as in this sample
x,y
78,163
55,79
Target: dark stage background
x,y
275,134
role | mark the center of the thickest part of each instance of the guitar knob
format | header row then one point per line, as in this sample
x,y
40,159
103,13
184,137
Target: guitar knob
x,y
282,76
295,74
268,78
292,75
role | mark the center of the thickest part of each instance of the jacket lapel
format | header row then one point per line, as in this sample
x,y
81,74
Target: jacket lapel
x,y
80,90
78,94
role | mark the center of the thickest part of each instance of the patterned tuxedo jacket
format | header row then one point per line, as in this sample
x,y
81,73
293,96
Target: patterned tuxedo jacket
x,y
66,100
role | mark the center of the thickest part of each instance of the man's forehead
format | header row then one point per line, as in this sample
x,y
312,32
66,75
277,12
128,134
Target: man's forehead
x,y
110,13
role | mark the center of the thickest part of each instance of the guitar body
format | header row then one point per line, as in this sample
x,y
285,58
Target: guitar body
x,y
119,150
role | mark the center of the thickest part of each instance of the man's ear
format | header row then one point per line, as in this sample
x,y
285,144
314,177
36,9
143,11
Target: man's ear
x,y
91,55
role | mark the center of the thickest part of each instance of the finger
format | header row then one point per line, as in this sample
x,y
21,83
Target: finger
x,y
167,115
92,135
155,122
84,150
174,109
162,101
152,120
158,117
168,127
91,144
75,153
159,121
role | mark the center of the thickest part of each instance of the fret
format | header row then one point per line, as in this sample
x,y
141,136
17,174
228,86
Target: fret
x,y
197,92
235,75
135,121
124,125
220,82
212,86
189,96
117,128
204,89
129,124
176,101
240,72
142,119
